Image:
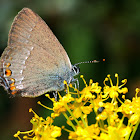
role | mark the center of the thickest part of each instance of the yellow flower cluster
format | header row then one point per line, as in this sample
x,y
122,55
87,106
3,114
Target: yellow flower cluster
x,y
42,129
107,104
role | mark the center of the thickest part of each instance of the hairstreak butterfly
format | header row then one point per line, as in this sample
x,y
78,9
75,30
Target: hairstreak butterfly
x,y
34,62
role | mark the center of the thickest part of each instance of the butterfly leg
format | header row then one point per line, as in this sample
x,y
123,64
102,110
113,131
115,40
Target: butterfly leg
x,y
76,83
4,83
73,81
55,95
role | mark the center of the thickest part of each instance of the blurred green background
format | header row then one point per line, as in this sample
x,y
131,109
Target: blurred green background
x,y
88,30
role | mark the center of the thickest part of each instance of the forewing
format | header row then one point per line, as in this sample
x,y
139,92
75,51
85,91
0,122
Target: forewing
x,y
35,55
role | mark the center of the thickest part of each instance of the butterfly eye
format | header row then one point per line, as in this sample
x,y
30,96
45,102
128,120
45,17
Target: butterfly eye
x,y
76,69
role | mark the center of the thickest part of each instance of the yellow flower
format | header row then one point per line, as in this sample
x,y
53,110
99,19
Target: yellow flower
x,y
114,90
102,116
87,92
126,108
136,103
87,109
131,107
59,106
95,88
114,133
89,133
77,112
42,129
76,106
125,131
134,119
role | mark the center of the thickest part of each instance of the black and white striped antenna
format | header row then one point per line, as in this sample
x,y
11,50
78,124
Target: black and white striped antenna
x,y
93,61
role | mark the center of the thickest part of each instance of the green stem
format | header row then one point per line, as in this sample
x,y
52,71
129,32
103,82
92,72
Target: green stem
x,y
130,125
66,116
85,124
66,106
121,122
134,131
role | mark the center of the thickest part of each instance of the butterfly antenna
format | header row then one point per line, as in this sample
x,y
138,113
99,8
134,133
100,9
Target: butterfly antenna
x,y
93,61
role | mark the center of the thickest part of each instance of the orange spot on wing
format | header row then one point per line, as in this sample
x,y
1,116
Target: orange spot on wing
x,y
8,64
12,84
14,92
12,79
12,88
8,72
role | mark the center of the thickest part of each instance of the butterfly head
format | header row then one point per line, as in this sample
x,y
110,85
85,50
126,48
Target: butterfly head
x,y
75,70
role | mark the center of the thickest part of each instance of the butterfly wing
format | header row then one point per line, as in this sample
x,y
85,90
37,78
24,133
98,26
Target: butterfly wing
x,y
34,57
